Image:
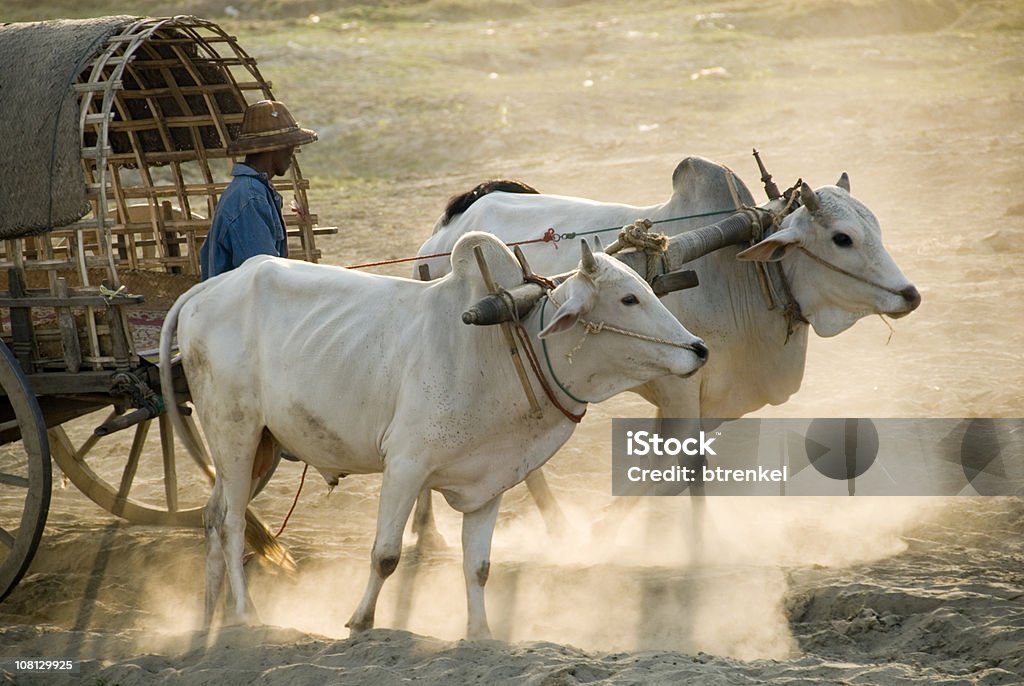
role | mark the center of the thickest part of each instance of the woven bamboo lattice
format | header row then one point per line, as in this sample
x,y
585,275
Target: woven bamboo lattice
x,y
159,102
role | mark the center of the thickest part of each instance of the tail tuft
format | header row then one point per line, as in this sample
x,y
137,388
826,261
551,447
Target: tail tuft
x,y
266,545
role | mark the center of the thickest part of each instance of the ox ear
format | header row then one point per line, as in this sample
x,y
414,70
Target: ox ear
x,y
844,182
580,300
773,248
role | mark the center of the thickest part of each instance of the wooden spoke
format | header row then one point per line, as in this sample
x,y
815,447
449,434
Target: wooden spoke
x,y
14,480
170,470
7,539
131,466
148,479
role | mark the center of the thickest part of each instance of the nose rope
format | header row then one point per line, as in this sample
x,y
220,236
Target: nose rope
x,y
842,271
590,328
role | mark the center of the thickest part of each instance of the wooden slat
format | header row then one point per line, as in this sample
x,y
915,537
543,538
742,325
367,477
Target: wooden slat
x,y
159,40
68,330
141,93
50,383
177,121
94,152
99,86
97,118
171,191
15,301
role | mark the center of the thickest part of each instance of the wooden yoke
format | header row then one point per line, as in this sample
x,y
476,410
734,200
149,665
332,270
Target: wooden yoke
x,y
506,330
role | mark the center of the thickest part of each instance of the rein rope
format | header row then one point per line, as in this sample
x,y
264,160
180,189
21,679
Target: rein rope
x,y
549,236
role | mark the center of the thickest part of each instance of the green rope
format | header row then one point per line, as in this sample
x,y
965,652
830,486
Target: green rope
x,y
573,234
544,347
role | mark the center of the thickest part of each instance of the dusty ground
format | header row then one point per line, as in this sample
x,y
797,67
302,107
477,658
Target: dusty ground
x,y
921,102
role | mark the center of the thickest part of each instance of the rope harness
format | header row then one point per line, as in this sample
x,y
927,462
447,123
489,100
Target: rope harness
x,y
775,280
549,236
850,274
638,236
775,285
531,357
591,329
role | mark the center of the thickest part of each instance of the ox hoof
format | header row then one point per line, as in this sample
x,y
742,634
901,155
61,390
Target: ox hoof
x,y
356,627
480,634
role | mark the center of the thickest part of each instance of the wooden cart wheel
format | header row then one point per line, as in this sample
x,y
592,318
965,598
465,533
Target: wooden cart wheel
x,y
156,484
24,475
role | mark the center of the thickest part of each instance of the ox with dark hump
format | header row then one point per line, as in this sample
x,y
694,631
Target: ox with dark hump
x,y
824,268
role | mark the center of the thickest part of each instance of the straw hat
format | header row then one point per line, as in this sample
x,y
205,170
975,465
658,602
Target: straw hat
x,y
268,125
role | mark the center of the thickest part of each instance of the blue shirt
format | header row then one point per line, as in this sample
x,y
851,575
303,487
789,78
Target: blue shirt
x,y
248,222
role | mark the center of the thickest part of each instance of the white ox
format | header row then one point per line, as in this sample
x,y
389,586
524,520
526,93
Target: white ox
x,y
755,361
360,373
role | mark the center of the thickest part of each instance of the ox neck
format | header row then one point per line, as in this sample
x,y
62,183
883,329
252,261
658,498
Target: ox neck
x,y
547,359
570,405
777,288
775,285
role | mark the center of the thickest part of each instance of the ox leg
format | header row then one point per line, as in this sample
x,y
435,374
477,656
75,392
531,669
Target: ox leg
x,y
477,533
225,520
243,610
225,537
424,525
554,518
213,521
400,486
669,426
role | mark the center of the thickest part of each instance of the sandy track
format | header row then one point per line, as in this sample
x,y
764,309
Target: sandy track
x,y
887,591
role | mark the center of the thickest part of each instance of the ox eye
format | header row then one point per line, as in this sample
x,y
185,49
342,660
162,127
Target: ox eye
x,y
630,300
842,240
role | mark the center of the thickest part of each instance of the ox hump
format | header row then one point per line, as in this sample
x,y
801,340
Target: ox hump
x,y
504,268
698,172
702,183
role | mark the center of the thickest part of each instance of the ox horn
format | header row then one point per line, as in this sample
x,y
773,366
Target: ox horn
x,y
588,263
809,199
844,182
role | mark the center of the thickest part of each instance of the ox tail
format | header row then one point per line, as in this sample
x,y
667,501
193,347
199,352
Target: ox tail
x,y
167,332
257,535
458,204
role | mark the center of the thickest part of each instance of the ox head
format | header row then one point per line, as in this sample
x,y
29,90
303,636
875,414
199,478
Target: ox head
x,y
838,268
617,332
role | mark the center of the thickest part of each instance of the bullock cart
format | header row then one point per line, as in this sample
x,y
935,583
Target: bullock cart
x,y
118,130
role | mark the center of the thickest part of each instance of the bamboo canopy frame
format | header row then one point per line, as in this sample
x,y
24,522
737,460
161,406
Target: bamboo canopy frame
x,y
158,103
